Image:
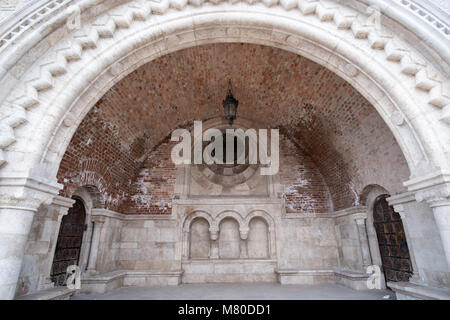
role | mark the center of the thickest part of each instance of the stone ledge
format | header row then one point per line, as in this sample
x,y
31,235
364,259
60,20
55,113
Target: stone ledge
x,y
351,274
288,272
228,201
107,282
311,276
225,261
409,291
56,293
353,279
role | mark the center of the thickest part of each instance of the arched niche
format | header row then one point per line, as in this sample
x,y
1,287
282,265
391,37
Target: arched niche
x,y
199,241
268,220
229,239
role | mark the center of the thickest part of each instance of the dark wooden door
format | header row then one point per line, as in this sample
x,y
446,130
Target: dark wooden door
x,y
392,242
68,246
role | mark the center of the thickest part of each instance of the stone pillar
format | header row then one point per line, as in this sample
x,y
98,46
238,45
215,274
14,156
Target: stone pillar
x,y
62,206
441,212
15,224
272,243
20,199
435,190
186,244
98,222
398,202
363,243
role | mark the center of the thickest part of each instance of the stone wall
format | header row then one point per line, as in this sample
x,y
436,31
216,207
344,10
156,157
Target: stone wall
x,y
308,243
149,243
349,242
153,188
426,245
291,248
109,246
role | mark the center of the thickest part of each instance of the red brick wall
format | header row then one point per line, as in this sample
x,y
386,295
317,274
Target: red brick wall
x,y
99,156
305,189
153,189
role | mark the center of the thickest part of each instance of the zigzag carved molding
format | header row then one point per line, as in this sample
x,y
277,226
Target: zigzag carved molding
x,y
42,78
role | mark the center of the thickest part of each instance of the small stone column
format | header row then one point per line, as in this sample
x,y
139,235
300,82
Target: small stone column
x,y
98,222
243,243
398,202
363,242
214,249
272,243
186,244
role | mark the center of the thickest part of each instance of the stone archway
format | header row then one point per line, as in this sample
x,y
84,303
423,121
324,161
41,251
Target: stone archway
x,y
63,74
337,46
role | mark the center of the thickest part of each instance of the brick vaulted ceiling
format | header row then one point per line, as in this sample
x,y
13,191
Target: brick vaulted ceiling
x,y
322,114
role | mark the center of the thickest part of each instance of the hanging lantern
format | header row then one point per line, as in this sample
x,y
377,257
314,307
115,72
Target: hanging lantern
x,y
230,105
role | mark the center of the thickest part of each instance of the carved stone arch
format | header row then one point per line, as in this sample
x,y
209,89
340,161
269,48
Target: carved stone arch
x,y
388,70
196,214
91,195
262,214
367,190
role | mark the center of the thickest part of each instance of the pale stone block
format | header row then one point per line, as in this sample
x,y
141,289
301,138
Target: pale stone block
x,y
128,245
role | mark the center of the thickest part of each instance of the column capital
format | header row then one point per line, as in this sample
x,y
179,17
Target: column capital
x,y
399,200
433,188
27,193
63,202
98,219
244,233
63,205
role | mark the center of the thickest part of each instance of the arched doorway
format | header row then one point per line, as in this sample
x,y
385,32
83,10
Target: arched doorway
x,y
68,246
391,241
